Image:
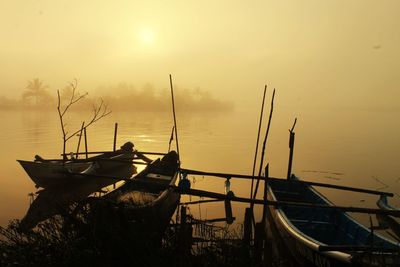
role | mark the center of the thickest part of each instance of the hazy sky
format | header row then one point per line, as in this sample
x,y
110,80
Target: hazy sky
x,y
316,53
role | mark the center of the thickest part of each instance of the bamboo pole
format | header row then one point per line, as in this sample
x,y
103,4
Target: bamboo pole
x,y
79,140
115,136
258,139
173,110
241,176
171,138
264,145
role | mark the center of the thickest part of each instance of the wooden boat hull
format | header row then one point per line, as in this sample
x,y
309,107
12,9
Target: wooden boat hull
x,y
147,202
56,200
305,231
52,174
49,174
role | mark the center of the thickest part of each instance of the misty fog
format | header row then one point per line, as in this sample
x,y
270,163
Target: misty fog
x,y
119,97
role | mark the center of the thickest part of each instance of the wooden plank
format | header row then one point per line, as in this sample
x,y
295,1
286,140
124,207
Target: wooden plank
x,y
103,152
201,201
241,176
355,248
202,193
97,159
100,176
218,220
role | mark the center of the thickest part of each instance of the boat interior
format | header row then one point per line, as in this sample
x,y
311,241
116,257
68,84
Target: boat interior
x,y
326,226
149,184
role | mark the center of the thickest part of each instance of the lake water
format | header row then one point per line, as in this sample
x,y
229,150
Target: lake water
x,y
347,147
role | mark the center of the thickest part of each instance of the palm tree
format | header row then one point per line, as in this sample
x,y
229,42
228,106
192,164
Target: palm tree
x,y
36,90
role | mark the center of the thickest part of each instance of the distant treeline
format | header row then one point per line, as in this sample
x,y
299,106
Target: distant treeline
x,y
120,97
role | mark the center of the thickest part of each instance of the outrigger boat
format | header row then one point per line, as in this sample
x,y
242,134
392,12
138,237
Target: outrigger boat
x,y
146,202
324,237
146,197
61,173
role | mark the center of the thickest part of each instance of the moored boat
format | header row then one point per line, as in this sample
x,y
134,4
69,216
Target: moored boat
x,y
387,221
61,173
324,237
145,203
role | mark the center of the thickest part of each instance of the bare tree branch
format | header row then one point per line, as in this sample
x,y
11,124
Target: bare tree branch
x,y
99,112
74,98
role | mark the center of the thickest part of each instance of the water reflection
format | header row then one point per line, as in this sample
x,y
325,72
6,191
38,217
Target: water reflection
x,y
331,146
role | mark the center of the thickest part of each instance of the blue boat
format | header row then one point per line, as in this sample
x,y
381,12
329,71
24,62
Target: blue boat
x,y
387,221
324,237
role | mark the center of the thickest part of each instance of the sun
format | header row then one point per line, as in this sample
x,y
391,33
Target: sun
x,y
146,36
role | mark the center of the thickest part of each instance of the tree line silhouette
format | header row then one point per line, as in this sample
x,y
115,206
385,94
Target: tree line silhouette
x,y
119,97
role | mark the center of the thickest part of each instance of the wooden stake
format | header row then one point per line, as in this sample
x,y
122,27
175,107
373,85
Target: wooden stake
x,y
258,139
265,208
258,243
266,244
115,142
291,148
86,144
247,230
115,136
79,140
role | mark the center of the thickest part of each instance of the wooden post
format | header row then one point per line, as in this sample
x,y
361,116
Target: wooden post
x,y
185,233
183,218
182,229
115,136
291,148
79,140
267,246
248,231
258,244
228,212
86,144
265,207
